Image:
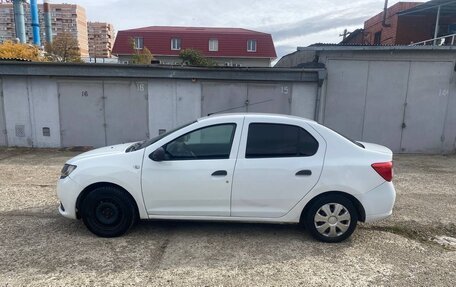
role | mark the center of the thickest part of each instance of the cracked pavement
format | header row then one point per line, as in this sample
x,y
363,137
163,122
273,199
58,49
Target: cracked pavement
x,y
38,247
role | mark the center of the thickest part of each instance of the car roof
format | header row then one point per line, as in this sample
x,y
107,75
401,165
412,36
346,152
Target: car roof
x,y
255,115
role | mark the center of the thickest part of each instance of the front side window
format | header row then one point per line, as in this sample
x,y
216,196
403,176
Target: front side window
x,y
213,45
175,44
213,142
251,46
138,43
279,140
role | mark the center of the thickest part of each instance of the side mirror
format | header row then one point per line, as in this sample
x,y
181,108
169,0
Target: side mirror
x,y
158,154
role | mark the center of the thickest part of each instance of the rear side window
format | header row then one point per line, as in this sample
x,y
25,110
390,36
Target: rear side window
x,y
279,140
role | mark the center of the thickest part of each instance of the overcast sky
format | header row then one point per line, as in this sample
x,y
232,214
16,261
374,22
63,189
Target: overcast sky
x,y
292,23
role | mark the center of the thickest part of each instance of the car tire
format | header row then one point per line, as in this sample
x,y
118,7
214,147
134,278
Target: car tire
x,y
108,211
331,218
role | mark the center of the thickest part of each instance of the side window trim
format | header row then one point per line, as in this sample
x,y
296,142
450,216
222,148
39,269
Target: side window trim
x,y
233,133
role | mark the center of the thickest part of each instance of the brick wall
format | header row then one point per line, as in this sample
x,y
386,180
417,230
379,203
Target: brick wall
x,y
388,34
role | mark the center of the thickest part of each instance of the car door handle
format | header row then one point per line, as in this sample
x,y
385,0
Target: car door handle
x,y
219,173
304,172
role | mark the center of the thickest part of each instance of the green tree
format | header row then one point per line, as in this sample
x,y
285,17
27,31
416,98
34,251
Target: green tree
x,y
64,48
9,49
192,57
141,56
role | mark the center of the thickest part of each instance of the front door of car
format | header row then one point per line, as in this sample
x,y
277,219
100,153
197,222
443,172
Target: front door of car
x,y
195,176
278,164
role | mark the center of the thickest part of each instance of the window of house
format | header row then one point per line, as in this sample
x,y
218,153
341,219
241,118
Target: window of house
x,y
378,38
251,46
138,43
175,44
213,45
213,142
278,140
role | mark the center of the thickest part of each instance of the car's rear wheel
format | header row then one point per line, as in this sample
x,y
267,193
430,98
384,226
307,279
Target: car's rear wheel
x,y
331,218
108,211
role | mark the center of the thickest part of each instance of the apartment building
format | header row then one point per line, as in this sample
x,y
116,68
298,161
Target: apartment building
x,y
101,39
64,18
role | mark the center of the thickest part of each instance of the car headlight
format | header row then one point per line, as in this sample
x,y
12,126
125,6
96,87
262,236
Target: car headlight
x,y
66,170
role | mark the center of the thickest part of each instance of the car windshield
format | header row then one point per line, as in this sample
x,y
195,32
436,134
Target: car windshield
x,y
146,143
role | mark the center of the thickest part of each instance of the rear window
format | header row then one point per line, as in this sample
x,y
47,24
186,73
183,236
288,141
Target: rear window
x,y
278,140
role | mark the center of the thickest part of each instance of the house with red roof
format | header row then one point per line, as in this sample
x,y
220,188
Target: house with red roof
x,y
232,47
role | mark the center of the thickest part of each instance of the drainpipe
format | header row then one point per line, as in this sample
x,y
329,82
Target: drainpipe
x,y
19,20
437,21
47,21
385,9
35,22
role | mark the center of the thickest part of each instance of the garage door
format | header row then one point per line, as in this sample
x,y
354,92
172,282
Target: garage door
x,y
126,111
399,104
269,99
2,118
248,97
427,100
81,114
346,93
385,99
223,98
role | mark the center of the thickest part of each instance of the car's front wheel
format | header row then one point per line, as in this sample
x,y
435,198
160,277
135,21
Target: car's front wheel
x,y
331,218
108,211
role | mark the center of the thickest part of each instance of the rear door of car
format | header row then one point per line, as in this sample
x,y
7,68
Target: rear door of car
x,y
279,162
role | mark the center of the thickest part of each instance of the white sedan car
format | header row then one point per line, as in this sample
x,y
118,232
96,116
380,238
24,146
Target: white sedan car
x,y
236,167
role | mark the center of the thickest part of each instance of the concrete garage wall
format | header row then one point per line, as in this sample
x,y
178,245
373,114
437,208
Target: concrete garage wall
x,y
52,105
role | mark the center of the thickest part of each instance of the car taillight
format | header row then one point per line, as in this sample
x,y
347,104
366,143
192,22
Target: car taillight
x,y
384,169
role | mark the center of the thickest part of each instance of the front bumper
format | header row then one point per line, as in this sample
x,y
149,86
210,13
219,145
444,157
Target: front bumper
x,y
379,202
68,191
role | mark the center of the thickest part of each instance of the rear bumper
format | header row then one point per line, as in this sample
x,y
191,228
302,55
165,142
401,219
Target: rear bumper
x,y
68,191
378,203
